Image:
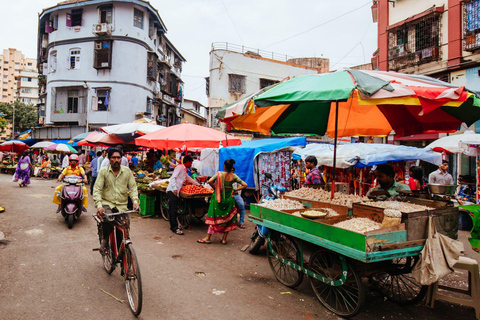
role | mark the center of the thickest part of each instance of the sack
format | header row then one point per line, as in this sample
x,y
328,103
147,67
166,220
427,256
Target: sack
x,y
14,177
438,256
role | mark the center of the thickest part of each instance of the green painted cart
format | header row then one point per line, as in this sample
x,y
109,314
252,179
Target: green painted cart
x,y
340,258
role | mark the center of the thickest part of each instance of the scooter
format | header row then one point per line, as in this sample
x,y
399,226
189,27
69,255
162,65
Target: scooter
x,y
260,234
71,199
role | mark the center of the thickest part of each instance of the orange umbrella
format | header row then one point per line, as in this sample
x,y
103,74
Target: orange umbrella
x,y
260,121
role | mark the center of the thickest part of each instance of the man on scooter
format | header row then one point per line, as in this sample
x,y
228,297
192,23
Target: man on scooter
x,y
72,170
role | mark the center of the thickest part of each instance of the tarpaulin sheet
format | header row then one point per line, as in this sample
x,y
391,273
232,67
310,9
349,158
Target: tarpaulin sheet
x,y
245,154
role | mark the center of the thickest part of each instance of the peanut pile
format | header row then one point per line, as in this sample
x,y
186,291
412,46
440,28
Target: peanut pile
x,y
324,196
405,207
282,204
360,225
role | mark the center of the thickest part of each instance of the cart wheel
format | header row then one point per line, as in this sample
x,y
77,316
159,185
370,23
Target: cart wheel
x,y
164,206
285,247
397,283
347,299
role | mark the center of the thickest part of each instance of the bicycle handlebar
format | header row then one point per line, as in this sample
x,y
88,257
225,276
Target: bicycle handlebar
x,y
111,216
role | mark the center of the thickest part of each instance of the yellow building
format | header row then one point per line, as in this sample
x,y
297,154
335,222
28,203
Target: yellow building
x,y
18,77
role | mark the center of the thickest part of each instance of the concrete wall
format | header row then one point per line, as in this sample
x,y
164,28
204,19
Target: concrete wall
x,y
223,63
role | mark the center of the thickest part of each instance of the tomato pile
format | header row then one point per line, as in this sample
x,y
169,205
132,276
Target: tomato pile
x,y
193,189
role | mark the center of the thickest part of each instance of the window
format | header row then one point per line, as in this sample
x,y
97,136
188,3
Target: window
x,y
29,64
138,18
149,105
55,22
74,59
103,97
207,86
74,19
26,79
471,17
26,90
52,62
102,55
106,14
152,66
267,83
5,83
72,102
5,77
236,83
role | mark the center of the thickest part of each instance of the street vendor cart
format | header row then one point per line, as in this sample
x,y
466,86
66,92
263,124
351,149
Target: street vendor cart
x,y
336,259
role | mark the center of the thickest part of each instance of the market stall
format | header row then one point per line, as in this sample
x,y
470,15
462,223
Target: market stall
x,y
253,159
187,137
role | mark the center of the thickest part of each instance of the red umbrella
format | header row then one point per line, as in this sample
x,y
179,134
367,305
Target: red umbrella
x,y
13,146
100,139
187,135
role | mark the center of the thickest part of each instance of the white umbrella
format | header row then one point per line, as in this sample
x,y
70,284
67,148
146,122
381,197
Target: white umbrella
x,y
61,147
42,144
452,144
132,128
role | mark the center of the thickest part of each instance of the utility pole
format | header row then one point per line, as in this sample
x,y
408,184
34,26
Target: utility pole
x,y
13,122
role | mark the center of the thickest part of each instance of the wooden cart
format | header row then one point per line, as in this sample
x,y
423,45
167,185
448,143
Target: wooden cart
x,y
336,259
191,206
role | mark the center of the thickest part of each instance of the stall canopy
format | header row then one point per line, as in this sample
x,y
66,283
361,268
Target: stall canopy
x,y
453,143
187,136
28,142
67,142
129,131
245,154
366,154
101,139
15,146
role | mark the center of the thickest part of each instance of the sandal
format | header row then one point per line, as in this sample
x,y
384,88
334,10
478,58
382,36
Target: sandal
x,y
224,242
203,241
58,210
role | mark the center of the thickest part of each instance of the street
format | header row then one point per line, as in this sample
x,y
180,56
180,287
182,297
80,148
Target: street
x,y
50,272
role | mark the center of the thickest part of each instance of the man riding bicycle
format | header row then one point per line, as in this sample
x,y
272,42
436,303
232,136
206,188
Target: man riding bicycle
x,y
114,184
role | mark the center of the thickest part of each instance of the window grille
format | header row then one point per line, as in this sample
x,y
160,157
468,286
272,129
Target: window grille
x,y
414,43
138,18
237,83
471,25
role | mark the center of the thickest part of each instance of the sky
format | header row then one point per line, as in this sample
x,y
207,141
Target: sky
x,y
341,30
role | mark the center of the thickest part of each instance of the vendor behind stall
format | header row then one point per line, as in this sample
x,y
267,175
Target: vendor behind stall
x,y
441,176
387,187
314,176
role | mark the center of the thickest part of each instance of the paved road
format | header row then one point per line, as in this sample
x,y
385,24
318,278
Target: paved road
x,y
50,272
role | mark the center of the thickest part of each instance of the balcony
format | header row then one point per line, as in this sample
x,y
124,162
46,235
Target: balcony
x,y
81,118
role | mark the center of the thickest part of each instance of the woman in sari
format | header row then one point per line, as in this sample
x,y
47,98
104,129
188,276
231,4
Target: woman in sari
x,y
222,214
23,170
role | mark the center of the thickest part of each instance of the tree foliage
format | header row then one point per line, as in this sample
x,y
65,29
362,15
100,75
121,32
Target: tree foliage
x,y
26,115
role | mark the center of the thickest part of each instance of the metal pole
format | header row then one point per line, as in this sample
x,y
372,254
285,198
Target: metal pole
x,y
13,124
335,150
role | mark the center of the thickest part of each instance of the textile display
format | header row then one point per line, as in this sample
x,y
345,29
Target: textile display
x,y
278,164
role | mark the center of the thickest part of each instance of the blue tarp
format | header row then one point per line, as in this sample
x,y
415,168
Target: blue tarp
x,y
72,144
366,154
246,153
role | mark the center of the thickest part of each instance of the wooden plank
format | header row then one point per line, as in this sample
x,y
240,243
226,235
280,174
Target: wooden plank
x,y
343,210
366,211
402,245
373,241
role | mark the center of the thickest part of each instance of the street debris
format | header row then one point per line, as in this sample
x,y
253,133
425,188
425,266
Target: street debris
x,y
218,292
111,295
200,274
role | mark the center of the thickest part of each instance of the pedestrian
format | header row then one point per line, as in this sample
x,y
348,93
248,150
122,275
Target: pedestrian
x,y
178,178
65,161
240,204
222,213
55,161
23,170
134,161
100,159
441,176
94,166
81,158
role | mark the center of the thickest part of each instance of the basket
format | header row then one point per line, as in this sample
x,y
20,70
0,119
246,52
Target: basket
x,y
147,205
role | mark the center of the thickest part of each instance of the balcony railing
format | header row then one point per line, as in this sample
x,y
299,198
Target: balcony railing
x,y
247,50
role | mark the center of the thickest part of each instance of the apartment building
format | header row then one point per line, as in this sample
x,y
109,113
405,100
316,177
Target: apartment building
x,y
105,62
18,77
237,71
193,112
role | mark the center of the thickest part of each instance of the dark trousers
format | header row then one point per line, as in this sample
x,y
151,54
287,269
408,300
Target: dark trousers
x,y
173,201
92,184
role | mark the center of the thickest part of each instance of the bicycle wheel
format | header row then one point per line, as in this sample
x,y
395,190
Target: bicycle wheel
x,y
164,206
347,299
133,280
286,248
397,283
108,259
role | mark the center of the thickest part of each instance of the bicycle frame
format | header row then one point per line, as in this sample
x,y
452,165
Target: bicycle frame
x,y
118,249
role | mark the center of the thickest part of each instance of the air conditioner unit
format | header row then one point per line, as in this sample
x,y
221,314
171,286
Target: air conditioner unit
x,y
396,52
101,29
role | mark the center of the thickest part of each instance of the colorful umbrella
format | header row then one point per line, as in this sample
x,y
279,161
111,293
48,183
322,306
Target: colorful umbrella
x,y
453,143
81,136
369,103
101,139
42,144
13,146
187,135
60,147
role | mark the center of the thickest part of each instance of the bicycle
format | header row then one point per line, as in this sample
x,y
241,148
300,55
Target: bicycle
x,y
119,250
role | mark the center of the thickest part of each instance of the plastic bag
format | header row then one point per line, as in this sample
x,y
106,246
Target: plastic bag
x,y
438,256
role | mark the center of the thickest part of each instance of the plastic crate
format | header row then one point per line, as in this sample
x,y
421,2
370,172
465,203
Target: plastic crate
x,y
147,205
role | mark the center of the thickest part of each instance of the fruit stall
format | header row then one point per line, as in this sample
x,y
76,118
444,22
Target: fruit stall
x,y
348,238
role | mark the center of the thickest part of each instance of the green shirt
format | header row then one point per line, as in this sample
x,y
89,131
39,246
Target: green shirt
x,y
393,190
114,190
